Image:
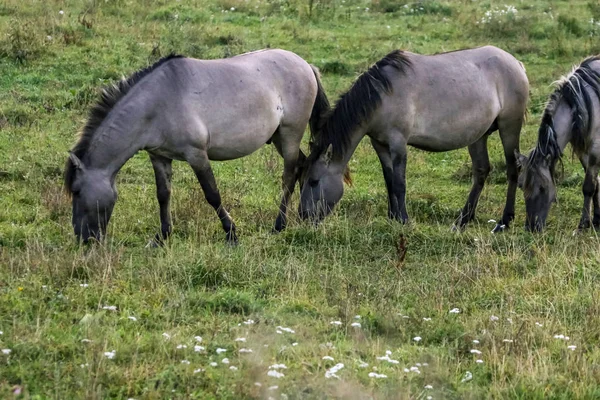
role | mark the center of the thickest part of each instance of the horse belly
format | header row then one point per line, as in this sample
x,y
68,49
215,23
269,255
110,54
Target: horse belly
x,y
239,142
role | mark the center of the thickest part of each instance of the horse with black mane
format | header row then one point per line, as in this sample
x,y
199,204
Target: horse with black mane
x,y
571,116
195,111
435,103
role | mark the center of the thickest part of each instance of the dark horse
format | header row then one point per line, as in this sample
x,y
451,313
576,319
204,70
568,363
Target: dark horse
x,y
436,103
571,116
195,111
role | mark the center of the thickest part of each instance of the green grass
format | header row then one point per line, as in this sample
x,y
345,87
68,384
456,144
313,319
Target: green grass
x,y
51,67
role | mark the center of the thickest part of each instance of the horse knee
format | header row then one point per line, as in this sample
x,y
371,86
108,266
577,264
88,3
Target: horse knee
x,y
163,195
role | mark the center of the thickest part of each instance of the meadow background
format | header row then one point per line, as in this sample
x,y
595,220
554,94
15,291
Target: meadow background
x,y
123,321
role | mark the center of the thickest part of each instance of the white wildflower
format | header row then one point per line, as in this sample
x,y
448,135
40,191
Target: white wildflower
x,y
249,322
468,376
337,323
274,387
275,374
493,318
475,351
241,339
538,325
426,319
295,344
508,340
110,354
479,361
331,372
110,308
244,350
428,387
83,285
376,375
357,317
213,364
476,341
86,341
198,349
181,346
199,370
186,362
134,319
225,361
284,329
166,336
415,369
233,368
198,339
455,311
220,350
6,351
278,366
355,324
328,358
61,12
417,338
572,347
363,365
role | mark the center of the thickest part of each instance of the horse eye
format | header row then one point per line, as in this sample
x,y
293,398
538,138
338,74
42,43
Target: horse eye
x,y
313,182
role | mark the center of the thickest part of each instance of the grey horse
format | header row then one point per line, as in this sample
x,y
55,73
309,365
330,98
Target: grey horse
x,y
195,111
435,103
571,116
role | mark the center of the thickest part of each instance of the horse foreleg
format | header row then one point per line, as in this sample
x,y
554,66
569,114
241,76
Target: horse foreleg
x,y
388,175
162,174
204,173
480,170
589,189
596,203
292,169
509,134
399,158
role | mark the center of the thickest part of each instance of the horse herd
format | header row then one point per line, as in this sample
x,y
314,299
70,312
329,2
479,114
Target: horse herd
x,y
200,110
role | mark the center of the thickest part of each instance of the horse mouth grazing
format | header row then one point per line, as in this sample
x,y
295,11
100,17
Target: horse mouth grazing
x,y
535,224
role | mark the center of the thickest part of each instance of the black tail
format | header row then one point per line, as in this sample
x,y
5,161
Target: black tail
x,y
320,108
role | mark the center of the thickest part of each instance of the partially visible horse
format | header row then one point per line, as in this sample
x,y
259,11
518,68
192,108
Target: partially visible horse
x,y
195,111
435,103
571,116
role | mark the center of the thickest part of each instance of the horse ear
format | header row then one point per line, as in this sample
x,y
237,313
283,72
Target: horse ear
x,y
521,159
75,161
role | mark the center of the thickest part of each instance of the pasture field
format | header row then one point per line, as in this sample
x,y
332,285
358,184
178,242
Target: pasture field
x,y
119,320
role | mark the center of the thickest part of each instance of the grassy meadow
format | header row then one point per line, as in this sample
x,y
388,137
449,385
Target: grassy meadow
x,y
466,315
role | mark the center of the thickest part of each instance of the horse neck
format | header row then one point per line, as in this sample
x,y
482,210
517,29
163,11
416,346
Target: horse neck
x,y
563,122
115,143
355,137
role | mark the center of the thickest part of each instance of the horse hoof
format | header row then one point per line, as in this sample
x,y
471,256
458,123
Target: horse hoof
x,y
499,228
455,228
231,239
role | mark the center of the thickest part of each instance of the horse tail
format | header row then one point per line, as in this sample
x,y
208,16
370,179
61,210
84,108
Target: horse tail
x,y
320,108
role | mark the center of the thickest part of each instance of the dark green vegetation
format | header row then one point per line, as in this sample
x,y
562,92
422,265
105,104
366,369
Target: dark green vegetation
x,y
51,66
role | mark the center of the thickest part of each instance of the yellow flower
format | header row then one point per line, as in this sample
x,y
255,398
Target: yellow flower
x,y
20,289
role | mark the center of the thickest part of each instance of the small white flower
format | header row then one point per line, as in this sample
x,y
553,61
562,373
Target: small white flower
x,y
357,317
185,362
328,358
278,332
274,387
61,12
561,337
538,325
331,372
363,365
475,351
249,322
213,364
275,374
355,324
199,370
241,339
388,352
86,341
388,26
181,346
134,319
110,308
468,376
233,368
406,370
1,333
415,369
166,336
479,361
417,338
6,351
493,318
337,323
84,365
220,350
428,387
198,339
225,361
429,398
507,340
476,341
244,350
198,349
278,366
232,8
571,347
284,329
257,384
295,344
455,311
376,375
510,321
426,319
83,285
418,364
491,221
110,354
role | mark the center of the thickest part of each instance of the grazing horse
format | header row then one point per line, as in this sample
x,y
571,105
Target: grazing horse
x,y
435,103
195,111
571,116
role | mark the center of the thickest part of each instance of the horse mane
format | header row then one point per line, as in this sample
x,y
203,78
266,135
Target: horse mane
x,y
357,105
109,98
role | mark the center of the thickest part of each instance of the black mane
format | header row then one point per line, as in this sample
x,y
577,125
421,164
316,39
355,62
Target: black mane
x,y
357,105
573,90
109,97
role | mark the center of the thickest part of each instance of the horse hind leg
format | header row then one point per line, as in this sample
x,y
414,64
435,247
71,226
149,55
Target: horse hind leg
x,y
480,170
596,203
162,174
287,143
590,189
200,164
510,132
